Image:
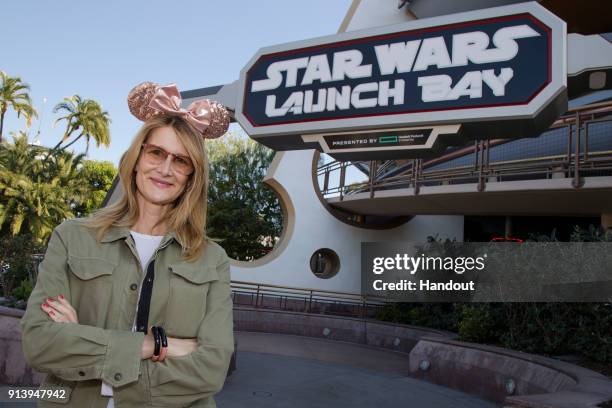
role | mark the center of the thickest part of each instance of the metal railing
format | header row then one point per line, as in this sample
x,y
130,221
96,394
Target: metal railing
x,y
288,298
304,300
577,162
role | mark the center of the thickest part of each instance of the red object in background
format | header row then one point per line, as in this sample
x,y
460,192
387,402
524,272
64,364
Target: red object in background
x,y
509,239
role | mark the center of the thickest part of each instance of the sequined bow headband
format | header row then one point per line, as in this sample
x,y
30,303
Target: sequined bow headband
x,y
147,100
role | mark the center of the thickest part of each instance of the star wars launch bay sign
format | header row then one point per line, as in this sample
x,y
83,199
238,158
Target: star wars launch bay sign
x,y
410,89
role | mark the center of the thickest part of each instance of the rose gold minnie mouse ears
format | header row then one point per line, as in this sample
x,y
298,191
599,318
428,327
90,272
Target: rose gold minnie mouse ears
x,y
147,100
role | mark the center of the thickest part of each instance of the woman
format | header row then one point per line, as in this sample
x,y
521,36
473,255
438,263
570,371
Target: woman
x,y
109,282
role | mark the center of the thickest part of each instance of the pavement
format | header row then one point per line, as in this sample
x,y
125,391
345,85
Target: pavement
x,y
275,370
284,371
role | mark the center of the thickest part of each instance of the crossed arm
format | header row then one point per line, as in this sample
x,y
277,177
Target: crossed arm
x,y
61,311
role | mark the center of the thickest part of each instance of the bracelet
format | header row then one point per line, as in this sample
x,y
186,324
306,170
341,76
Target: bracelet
x,y
157,339
164,343
164,339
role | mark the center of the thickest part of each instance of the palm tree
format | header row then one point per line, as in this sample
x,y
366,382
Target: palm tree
x,y
86,117
14,94
37,195
19,156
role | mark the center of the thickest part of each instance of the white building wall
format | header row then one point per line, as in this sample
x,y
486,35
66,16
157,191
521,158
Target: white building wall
x,y
316,228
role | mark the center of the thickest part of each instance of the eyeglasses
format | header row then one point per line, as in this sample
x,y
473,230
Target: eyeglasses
x,y
156,155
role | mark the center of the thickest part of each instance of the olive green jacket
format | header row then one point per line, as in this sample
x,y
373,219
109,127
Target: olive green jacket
x,y
102,281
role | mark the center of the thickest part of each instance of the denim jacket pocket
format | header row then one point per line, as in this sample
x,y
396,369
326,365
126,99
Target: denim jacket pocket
x,y
187,298
196,274
90,288
56,390
89,268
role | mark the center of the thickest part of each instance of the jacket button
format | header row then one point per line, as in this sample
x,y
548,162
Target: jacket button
x,y
133,286
118,377
82,373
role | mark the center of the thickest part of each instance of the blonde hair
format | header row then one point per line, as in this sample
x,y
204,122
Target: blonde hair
x,y
187,215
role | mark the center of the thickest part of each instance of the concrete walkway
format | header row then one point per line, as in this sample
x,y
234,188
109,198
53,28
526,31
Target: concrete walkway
x,y
283,371
293,372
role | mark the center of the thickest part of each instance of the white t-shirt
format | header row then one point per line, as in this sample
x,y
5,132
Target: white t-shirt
x,y
145,246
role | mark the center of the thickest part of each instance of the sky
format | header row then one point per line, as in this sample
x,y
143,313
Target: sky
x,y
100,50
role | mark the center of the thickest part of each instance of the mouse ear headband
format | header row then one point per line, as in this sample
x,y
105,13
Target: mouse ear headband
x,y
147,100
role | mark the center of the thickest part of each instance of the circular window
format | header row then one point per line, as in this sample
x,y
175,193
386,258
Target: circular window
x,y
324,263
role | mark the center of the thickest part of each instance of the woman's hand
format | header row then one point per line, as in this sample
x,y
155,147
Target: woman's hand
x,y
181,347
176,347
60,310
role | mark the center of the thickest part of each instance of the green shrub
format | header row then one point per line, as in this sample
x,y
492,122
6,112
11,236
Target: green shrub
x,y
542,328
593,332
15,262
479,323
22,292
